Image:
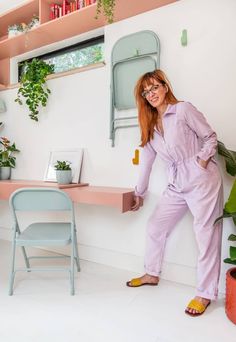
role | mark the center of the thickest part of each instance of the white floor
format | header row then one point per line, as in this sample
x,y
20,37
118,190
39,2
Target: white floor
x,y
103,309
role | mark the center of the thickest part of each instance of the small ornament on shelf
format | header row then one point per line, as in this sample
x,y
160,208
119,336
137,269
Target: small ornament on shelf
x,y
16,29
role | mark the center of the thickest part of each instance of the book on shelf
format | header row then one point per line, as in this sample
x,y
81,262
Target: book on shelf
x,y
52,12
64,7
57,11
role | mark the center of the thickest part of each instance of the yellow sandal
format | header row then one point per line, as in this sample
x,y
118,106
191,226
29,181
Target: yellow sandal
x,y
136,282
198,306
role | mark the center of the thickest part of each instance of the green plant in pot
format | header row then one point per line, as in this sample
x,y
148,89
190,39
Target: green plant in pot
x,y
63,172
33,86
230,212
107,7
7,159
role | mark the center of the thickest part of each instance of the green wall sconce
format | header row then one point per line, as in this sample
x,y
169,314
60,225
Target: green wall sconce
x,y
184,38
2,106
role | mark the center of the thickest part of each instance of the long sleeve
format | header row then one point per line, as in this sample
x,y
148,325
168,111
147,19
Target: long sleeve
x,y
148,156
197,122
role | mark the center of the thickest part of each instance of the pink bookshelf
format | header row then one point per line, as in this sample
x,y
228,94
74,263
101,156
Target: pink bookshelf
x,y
51,31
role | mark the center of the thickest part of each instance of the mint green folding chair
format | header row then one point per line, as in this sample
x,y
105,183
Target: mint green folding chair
x,y
43,233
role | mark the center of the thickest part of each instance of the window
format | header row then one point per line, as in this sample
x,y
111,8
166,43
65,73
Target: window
x,y
74,56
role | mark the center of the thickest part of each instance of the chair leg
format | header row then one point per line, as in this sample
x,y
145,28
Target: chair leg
x,y
72,267
76,253
25,257
12,274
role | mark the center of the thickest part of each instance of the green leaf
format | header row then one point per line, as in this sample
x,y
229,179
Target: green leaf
x,y
232,237
229,261
225,214
230,205
230,158
232,253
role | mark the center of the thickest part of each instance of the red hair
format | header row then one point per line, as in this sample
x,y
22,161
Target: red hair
x,y
147,114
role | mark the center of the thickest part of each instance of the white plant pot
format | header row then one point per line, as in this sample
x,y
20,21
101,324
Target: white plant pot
x,y
12,33
64,176
5,172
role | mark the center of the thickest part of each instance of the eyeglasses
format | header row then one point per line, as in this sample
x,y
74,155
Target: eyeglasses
x,y
146,93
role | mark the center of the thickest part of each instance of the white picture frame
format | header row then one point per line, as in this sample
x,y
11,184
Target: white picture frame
x,y
75,158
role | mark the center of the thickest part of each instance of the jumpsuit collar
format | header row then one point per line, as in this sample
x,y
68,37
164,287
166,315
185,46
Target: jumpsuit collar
x,y
171,109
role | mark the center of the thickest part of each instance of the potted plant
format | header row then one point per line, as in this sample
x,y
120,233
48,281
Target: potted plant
x,y
33,86
34,22
13,30
107,7
16,29
230,211
63,172
7,160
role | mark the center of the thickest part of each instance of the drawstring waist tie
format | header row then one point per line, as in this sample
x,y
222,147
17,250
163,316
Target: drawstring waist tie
x,y
173,167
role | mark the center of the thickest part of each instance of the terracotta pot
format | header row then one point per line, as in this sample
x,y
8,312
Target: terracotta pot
x,y
230,305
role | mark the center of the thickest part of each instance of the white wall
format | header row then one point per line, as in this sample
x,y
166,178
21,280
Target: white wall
x,y
77,115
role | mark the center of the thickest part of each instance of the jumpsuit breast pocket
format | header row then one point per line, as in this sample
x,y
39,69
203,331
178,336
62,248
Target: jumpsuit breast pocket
x,y
180,134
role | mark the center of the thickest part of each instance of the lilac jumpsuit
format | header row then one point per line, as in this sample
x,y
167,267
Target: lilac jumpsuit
x,y
187,137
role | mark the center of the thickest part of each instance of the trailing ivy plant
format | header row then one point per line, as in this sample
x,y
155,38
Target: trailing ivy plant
x,y
107,7
33,86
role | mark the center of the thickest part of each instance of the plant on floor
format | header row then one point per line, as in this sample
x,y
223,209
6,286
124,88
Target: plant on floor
x,y
6,153
230,205
33,85
62,165
107,7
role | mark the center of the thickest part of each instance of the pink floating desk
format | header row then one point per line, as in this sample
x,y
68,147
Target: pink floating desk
x,y
120,198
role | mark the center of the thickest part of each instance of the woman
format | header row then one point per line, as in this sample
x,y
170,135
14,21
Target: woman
x,y
180,135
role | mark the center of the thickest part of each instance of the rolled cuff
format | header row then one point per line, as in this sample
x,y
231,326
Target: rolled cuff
x,y
140,194
207,295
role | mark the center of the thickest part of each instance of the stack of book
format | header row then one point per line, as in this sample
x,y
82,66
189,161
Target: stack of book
x,y
58,10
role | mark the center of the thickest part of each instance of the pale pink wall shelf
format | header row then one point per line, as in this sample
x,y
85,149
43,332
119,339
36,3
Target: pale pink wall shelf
x,y
120,198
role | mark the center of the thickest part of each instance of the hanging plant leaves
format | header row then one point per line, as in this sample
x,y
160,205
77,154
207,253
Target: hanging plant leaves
x,y
107,8
33,86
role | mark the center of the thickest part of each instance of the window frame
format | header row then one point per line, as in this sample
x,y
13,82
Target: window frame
x,y
70,48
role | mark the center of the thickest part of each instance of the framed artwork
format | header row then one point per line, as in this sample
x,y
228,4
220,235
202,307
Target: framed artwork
x,y
74,157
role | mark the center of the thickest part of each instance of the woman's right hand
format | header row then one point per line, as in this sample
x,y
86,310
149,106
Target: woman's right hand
x,y
138,202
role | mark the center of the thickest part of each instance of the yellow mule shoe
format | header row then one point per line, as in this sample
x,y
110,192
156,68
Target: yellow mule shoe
x,y
198,306
136,282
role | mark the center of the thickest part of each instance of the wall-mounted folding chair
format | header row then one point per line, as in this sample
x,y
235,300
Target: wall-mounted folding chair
x,y
43,233
132,56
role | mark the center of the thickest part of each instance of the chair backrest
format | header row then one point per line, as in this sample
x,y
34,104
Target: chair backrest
x,y
40,199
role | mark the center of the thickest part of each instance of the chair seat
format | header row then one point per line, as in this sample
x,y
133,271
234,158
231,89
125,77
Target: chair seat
x,y
45,234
